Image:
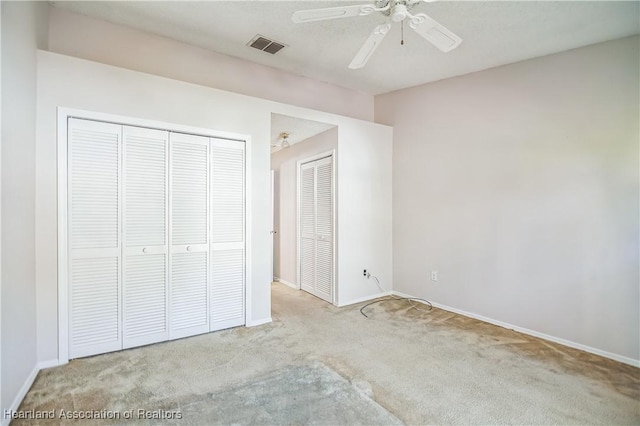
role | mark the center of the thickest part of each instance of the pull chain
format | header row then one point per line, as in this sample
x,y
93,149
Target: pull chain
x,y
402,33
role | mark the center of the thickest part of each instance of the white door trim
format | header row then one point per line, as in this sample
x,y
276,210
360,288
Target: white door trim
x,y
299,163
63,115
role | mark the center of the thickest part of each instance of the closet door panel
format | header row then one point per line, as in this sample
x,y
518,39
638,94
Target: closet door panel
x,y
227,234
189,189
189,294
94,184
94,223
324,229
145,300
94,314
145,189
227,288
189,236
307,208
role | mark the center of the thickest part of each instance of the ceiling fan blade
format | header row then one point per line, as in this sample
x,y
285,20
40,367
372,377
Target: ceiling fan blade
x,y
331,13
369,46
434,32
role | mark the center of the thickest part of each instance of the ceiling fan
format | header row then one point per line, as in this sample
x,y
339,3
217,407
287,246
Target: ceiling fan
x,y
397,11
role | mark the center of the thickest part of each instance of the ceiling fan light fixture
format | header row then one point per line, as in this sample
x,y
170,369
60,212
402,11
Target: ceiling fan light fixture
x,y
284,143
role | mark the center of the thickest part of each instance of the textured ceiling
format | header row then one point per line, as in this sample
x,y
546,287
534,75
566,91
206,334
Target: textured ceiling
x,y
493,33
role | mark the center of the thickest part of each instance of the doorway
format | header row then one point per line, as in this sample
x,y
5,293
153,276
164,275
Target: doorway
x,y
295,141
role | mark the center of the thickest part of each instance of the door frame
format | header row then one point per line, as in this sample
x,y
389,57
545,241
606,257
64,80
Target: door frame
x,y
299,163
63,115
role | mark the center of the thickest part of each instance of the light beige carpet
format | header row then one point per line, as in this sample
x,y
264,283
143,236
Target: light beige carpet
x,y
419,367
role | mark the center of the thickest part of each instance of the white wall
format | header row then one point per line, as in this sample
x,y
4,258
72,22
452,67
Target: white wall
x,y
364,206
77,35
520,186
365,160
284,163
24,30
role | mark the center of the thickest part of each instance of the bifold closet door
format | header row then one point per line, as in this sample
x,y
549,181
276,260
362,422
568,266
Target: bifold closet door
x,y
227,233
189,235
156,235
145,235
94,224
316,228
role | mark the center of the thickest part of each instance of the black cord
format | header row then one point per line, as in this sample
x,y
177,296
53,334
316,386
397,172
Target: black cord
x,y
410,299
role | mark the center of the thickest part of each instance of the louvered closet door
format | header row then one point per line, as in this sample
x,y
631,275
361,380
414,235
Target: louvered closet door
x,y
316,228
324,228
145,231
307,227
94,237
189,237
227,234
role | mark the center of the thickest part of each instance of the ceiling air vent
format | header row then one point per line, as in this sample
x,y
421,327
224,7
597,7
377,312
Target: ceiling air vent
x,y
262,43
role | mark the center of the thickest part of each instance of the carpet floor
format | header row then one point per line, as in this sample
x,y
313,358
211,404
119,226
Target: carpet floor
x,y
319,364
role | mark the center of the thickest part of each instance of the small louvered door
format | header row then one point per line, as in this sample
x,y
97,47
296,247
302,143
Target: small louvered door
x,y
316,228
308,227
324,229
227,234
189,236
145,234
94,222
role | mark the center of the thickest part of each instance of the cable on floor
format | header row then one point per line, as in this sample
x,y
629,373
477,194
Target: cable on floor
x,y
392,297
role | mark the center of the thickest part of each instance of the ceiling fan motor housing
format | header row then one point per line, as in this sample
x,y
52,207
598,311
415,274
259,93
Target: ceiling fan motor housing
x,y
397,8
399,12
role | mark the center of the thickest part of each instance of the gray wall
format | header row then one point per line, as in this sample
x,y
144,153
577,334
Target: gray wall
x,y
520,185
284,163
24,29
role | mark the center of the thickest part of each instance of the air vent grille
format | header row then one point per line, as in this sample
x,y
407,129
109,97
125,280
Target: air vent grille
x,y
266,45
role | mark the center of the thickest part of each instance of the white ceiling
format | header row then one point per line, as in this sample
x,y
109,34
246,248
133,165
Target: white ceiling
x,y
493,33
298,129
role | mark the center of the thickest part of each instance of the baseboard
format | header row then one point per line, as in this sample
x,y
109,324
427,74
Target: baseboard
x,y
48,364
21,394
365,299
287,283
569,343
259,322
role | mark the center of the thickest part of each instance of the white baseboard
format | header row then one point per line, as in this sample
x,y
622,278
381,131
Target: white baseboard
x,y
569,343
287,283
259,322
48,364
365,299
21,394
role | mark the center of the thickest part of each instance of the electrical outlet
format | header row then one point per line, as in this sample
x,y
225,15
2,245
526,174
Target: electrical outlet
x,y
364,273
434,275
